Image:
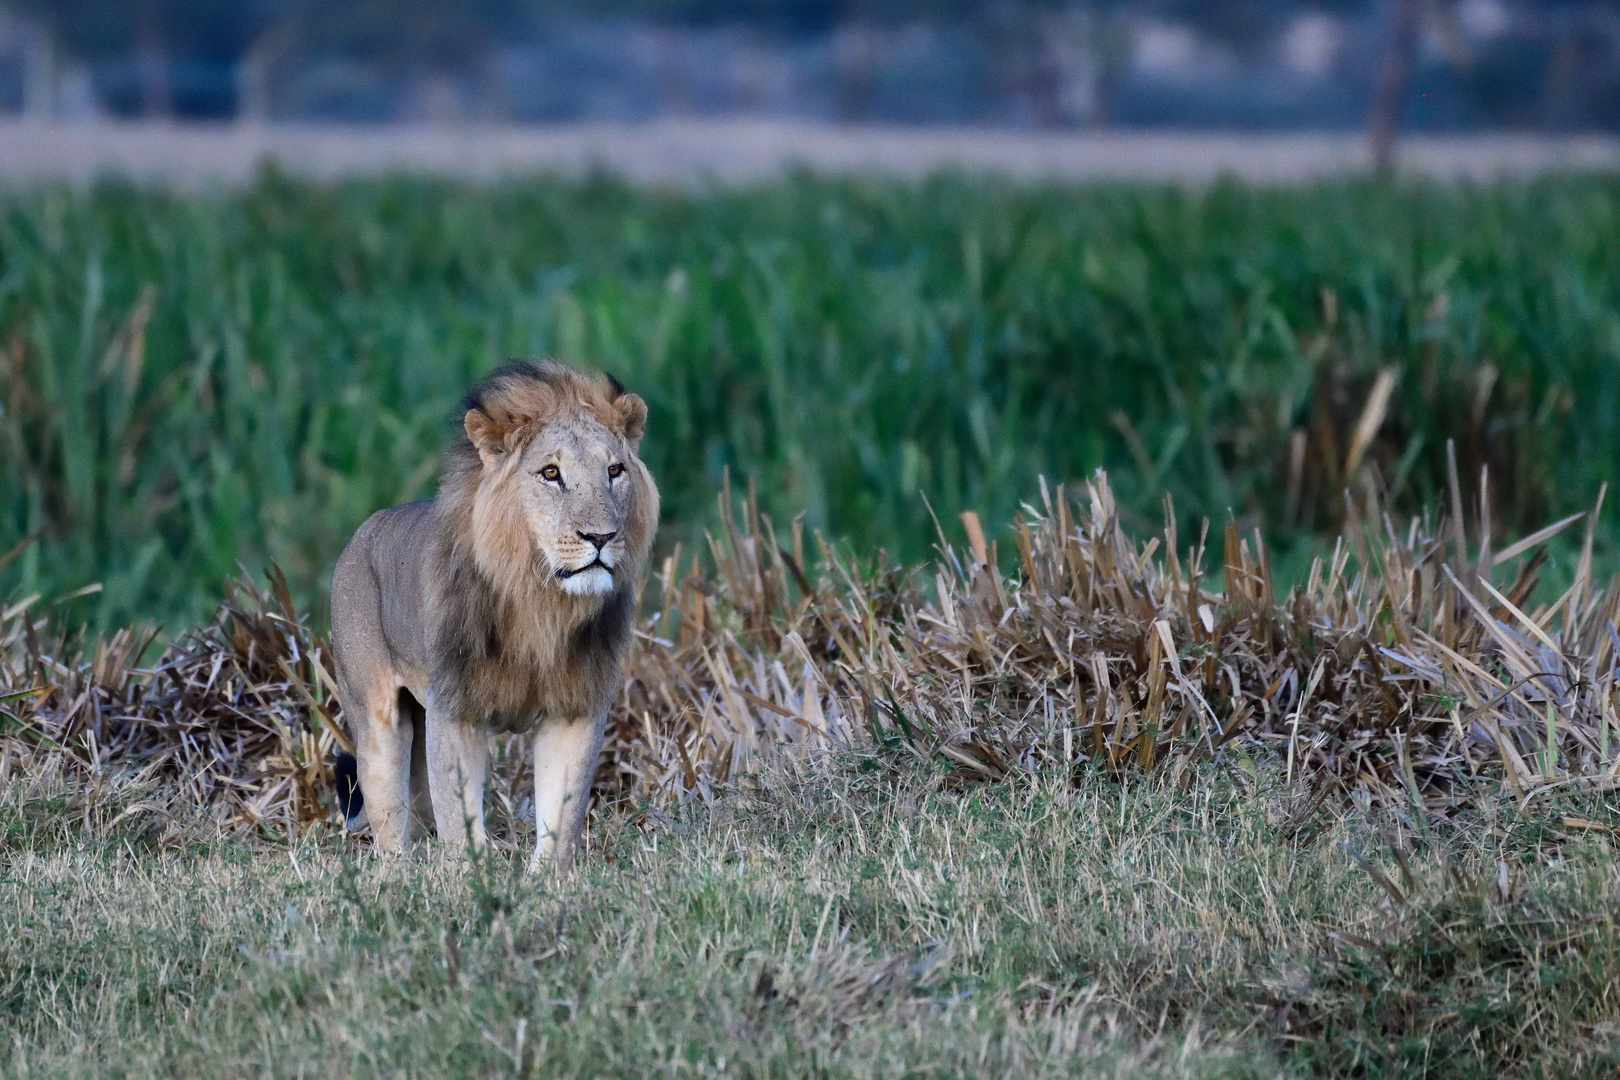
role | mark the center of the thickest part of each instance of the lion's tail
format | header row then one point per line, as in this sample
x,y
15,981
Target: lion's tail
x,y
347,773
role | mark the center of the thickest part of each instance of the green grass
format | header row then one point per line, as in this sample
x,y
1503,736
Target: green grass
x,y
867,918
192,381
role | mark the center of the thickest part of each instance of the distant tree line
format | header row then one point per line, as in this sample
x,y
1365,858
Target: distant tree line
x,y
1551,63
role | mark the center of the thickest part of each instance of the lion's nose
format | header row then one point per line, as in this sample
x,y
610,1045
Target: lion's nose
x,y
598,539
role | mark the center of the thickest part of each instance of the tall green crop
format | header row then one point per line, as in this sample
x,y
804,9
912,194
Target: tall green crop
x,y
192,381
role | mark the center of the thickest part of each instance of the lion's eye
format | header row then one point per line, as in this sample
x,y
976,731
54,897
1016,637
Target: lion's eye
x,y
615,470
552,473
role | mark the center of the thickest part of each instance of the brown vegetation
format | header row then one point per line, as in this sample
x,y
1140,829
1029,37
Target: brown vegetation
x,y
1410,665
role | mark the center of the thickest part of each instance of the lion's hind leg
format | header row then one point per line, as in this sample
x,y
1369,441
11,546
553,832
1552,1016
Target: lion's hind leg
x,y
369,681
412,712
382,742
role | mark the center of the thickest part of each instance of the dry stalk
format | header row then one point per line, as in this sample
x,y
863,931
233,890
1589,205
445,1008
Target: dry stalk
x,y
1406,671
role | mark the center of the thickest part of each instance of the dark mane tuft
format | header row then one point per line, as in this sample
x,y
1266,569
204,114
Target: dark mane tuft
x,y
520,394
547,372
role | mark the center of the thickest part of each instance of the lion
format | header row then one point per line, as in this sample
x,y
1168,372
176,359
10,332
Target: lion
x,y
505,604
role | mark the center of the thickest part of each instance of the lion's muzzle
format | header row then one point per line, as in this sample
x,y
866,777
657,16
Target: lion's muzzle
x,y
566,574
594,577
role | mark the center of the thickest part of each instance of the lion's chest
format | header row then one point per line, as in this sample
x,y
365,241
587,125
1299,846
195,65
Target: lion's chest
x,y
515,693
520,681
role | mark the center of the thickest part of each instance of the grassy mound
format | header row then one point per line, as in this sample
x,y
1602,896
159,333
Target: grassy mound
x,y
1399,669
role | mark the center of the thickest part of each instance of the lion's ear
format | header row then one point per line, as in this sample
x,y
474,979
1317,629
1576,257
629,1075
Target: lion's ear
x,y
486,435
633,414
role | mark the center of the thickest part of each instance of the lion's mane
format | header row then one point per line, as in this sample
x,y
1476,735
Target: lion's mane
x,y
510,639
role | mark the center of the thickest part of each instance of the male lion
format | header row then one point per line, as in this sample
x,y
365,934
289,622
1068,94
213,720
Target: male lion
x,y
505,604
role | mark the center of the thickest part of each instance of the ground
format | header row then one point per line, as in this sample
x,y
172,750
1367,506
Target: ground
x,y
753,151
866,916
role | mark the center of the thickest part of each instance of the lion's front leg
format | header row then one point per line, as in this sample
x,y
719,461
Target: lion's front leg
x,y
565,753
457,763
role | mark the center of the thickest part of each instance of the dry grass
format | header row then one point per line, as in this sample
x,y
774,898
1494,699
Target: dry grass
x,y
232,714
855,916
1217,848
1407,666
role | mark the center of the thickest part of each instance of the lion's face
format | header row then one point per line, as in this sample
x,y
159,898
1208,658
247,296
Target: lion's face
x,y
558,493
574,485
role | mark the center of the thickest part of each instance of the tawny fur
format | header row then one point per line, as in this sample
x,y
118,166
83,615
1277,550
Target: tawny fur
x,y
506,604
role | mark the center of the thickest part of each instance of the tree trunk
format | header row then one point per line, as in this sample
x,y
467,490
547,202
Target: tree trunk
x,y
152,72
39,73
1393,74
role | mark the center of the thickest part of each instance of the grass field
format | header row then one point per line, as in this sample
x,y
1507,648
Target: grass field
x,y
1122,825
192,381
864,918
1118,802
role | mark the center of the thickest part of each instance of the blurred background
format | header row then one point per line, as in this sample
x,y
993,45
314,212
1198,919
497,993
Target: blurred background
x,y
1292,262
1183,64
